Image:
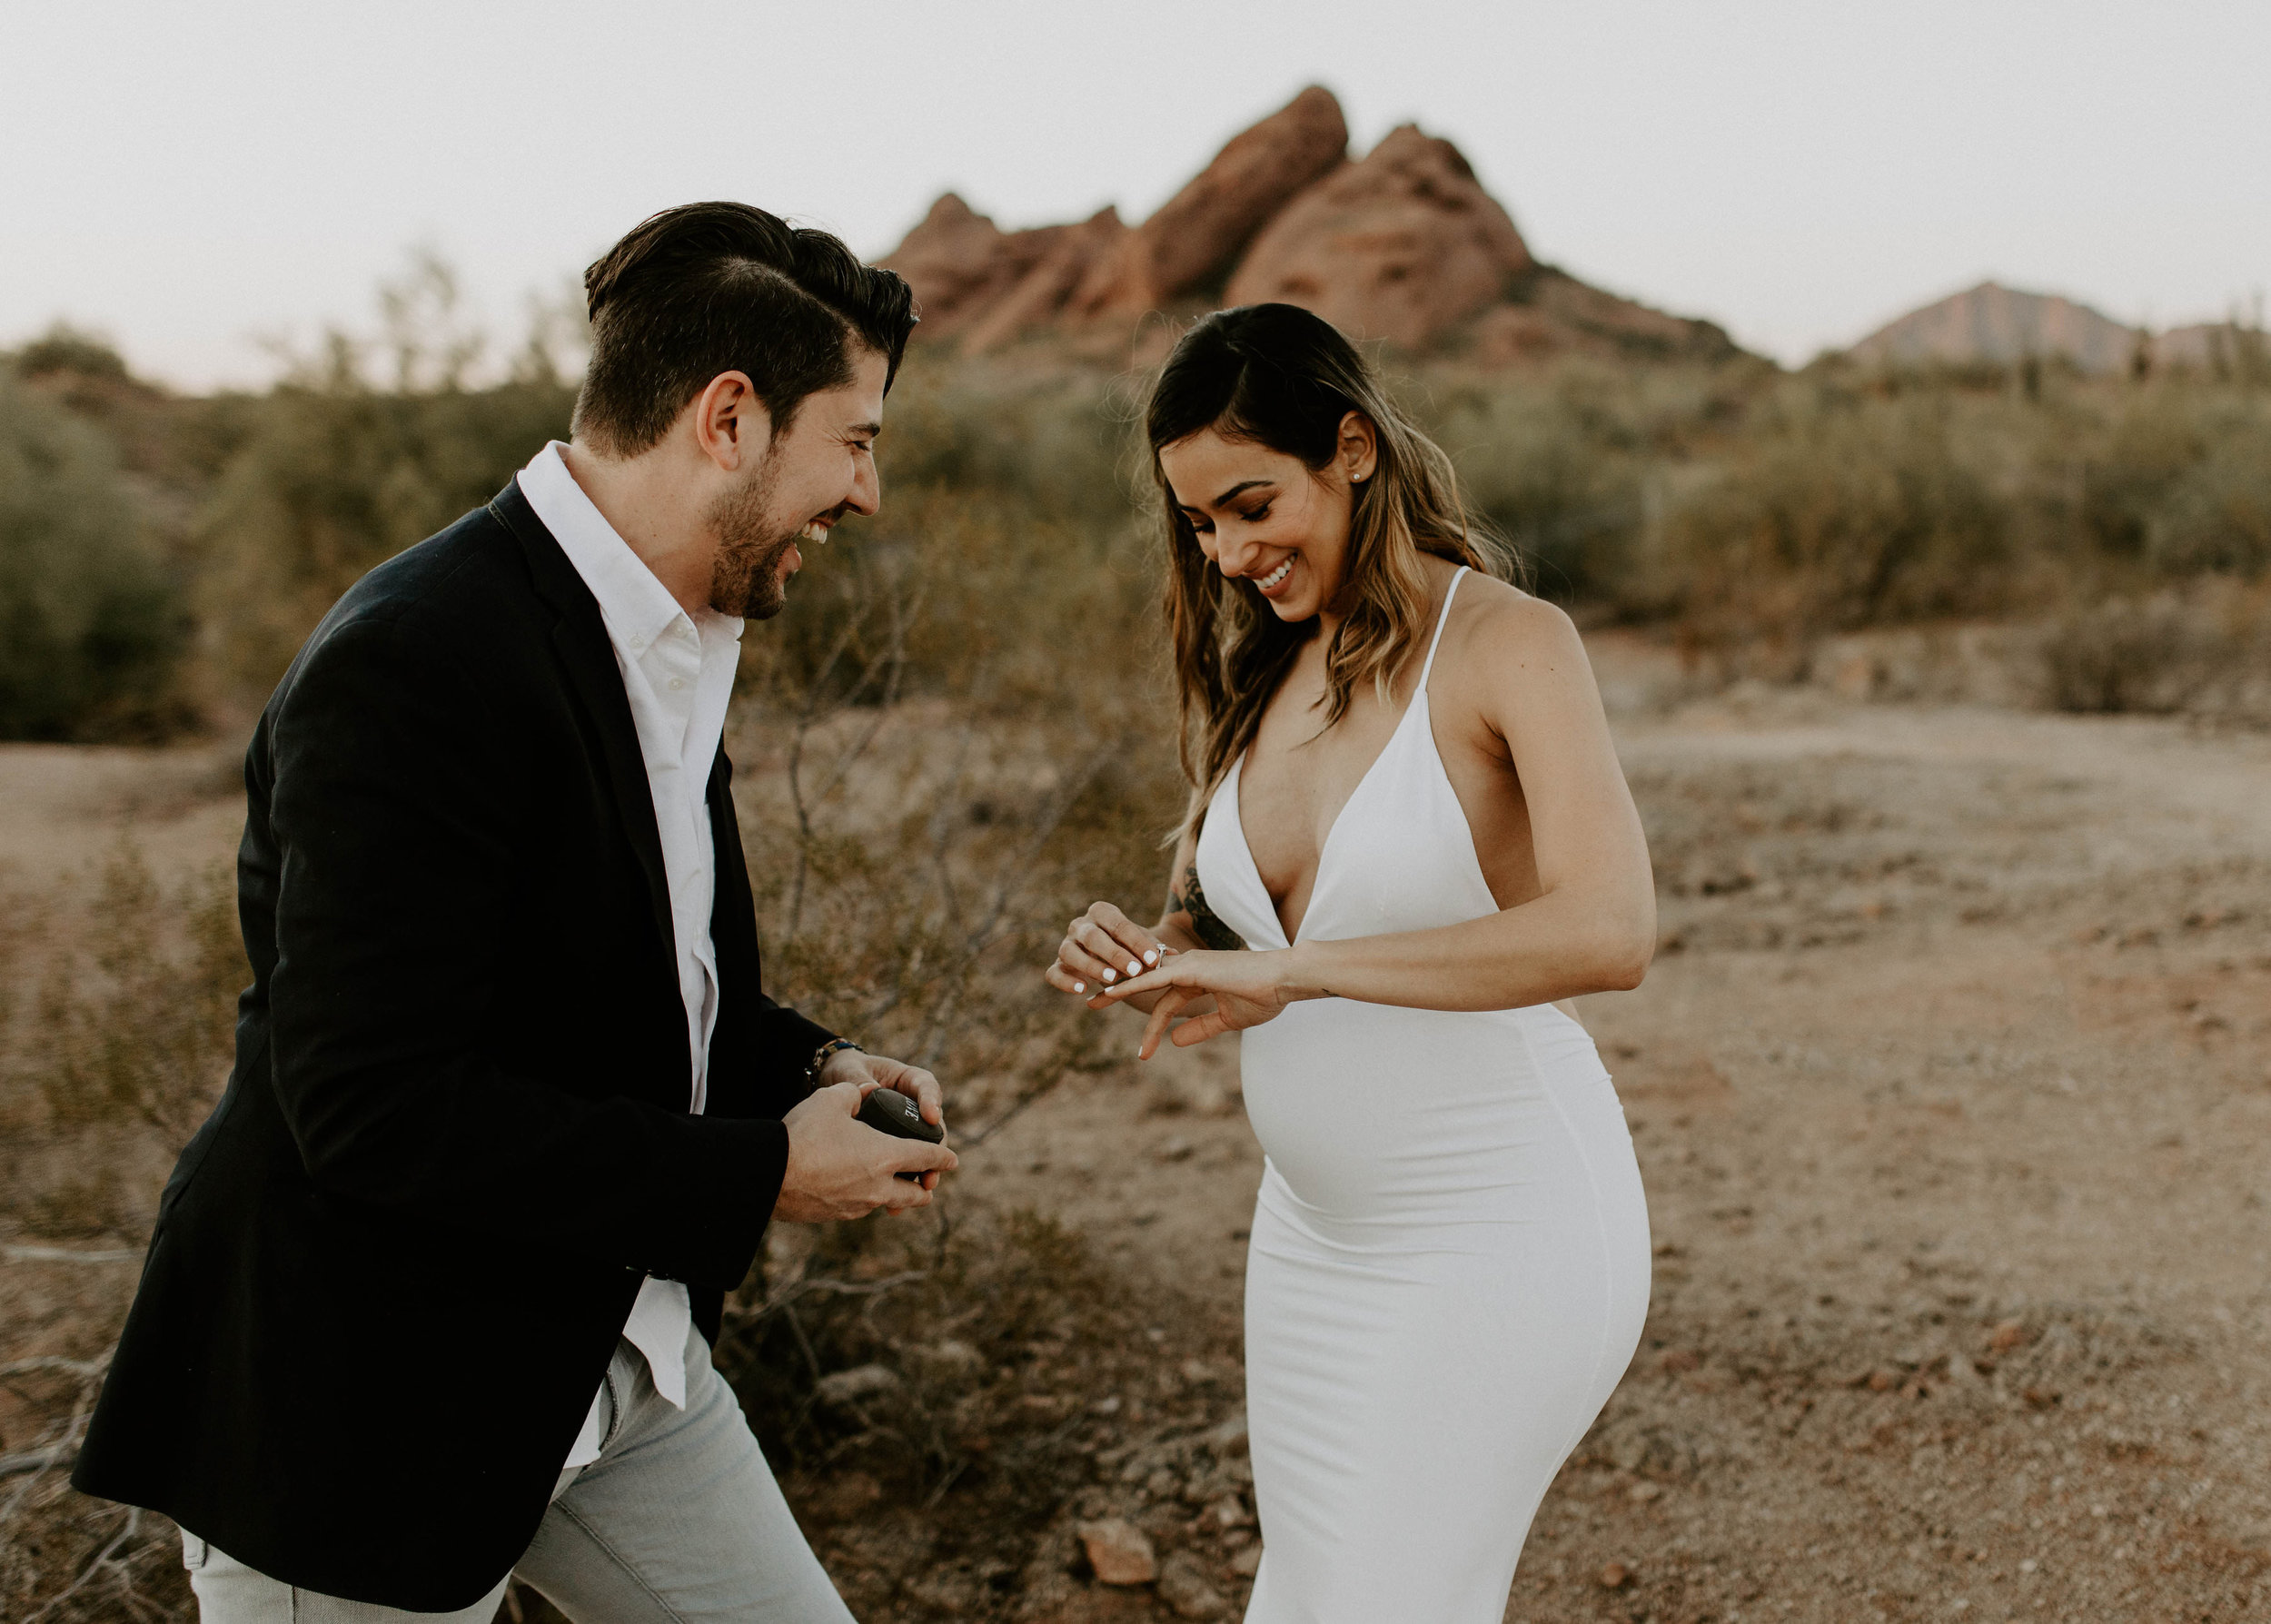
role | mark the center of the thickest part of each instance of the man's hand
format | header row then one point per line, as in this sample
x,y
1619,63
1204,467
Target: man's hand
x,y
839,1167
856,1065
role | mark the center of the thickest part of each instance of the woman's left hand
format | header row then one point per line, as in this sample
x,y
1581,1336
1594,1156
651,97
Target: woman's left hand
x,y
1248,988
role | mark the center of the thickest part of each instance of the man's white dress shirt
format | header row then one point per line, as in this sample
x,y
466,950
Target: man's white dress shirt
x,y
678,673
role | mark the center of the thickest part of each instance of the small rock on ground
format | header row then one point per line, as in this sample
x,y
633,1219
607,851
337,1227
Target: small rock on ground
x,y
1119,1551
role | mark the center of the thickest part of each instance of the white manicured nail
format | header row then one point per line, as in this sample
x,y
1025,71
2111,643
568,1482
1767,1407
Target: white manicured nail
x,y
1151,955
1080,986
1111,976
1134,968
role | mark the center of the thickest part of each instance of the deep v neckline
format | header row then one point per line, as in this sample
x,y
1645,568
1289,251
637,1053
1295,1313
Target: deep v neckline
x,y
1237,784
1324,846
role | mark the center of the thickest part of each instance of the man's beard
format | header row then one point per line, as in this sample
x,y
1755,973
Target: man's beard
x,y
745,580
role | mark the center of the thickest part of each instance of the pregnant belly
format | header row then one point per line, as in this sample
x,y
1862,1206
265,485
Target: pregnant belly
x,y
1406,1116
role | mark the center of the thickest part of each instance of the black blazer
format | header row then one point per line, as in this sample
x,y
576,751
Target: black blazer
x,y
389,1269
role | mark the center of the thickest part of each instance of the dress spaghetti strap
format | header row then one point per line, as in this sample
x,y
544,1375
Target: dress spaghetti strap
x,y
1442,620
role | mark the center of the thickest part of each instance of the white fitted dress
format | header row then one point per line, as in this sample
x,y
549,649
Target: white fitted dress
x,y
1450,1260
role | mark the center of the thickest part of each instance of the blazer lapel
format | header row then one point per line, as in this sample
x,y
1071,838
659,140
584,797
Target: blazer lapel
x,y
580,636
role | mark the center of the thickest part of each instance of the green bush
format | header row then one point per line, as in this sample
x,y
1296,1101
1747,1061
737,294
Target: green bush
x,y
1563,483
64,348
1750,510
1062,445
2215,515
92,625
1839,516
335,477
333,471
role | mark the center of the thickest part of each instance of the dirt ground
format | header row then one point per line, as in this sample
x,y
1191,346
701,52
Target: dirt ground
x,y
1952,1087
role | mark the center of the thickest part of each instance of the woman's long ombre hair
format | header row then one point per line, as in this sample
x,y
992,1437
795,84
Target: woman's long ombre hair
x,y
1278,376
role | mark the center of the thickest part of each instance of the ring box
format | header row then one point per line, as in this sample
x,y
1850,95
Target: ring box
x,y
888,1111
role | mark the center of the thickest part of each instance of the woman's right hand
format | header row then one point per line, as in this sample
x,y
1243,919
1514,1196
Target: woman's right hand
x,y
1101,947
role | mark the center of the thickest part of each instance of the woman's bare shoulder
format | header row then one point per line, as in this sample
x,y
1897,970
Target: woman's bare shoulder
x,y
1498,629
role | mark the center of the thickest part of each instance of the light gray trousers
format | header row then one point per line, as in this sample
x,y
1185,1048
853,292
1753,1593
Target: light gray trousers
x,y
678,1522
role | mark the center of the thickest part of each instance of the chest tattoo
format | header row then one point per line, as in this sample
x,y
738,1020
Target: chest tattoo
x,y
1189,896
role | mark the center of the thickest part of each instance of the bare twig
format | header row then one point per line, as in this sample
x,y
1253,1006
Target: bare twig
x,y
805,719
889,663
37,1463
34,1459
978,938
1027,1095
840,1288
64,1255
105,1564
85,1369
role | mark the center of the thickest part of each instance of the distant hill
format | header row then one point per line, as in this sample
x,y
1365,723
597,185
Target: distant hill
x,y
2220,349
1999,325
1995,323
1402,245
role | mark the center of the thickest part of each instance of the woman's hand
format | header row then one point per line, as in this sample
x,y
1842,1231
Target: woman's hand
x,y
1101,947
1248,989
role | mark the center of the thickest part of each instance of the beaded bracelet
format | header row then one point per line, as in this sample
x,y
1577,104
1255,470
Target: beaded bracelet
x,y
820,1056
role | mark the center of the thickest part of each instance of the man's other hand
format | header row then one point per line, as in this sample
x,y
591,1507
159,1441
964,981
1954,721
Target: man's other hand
x,y
856,1065
840,1168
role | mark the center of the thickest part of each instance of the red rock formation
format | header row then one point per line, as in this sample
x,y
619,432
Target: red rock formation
x,y
1405,246
978,283
959,263
1197,235
1401,246
1038,297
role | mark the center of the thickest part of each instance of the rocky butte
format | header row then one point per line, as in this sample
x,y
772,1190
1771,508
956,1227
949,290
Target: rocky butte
x,y
1995,325
1401,246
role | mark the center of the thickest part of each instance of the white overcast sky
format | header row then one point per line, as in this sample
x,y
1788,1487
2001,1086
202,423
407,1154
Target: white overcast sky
x,y
188,178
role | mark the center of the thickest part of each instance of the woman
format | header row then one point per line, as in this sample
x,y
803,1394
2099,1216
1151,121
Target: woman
x,y
1410,837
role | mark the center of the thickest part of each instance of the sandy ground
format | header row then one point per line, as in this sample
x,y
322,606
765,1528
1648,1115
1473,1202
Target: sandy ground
x,y
1952,1092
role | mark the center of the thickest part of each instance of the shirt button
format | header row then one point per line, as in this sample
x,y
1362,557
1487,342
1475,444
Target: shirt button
x,y
677,682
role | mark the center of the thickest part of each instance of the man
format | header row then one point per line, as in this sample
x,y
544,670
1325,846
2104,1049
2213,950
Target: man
x,y
430,1297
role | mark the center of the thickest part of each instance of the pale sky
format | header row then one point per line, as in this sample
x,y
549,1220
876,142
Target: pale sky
x,y
189,178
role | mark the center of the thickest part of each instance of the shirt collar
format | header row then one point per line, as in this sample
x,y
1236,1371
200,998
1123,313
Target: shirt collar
x,y
636,607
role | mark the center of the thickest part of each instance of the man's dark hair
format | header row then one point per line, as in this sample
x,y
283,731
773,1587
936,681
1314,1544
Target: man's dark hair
x,y
723,287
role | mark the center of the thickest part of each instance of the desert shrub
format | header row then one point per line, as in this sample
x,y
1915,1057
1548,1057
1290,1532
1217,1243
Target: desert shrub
x,y
138,1023
92,625
2204,648
364,449
1559,480
1836,517
2215,515
935,779
984,1286
1568,462
954,739
127,1044
64,348
2128,463
944,1395
1060,444
335,477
